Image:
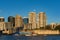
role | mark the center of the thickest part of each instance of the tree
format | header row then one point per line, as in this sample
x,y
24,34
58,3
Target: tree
x,y
57,27
48,27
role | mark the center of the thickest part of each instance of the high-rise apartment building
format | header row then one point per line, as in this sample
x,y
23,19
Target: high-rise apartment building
x,y
32,19
29,26
8,25
12,20
25,20
37,24
8,28
25,26
2,26
42,20
18,21
2,19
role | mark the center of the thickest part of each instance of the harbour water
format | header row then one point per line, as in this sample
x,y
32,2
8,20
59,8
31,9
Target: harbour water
x,y
13,37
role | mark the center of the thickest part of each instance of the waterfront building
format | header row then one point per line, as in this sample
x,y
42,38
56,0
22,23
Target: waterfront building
x,y
8,25
53,25
37,20
2,19
25,26
42,20
37,25
8,28
12,20
25,20
29,26
2,25
18,21
32,19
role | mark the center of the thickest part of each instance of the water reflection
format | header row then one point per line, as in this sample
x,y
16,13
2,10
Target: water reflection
x,y
13,37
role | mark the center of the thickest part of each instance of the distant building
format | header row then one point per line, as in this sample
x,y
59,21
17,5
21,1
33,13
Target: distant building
x,y
2,19
32,19
37,22
53,25
8,25
2,25
12,20
42,20
25,26
18,21
25,20
8,28
37,25
29,26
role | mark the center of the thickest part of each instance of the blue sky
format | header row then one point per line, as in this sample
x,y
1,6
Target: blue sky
x,y
23,7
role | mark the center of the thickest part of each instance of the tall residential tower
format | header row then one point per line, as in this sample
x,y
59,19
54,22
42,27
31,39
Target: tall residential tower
x,y
42,20
12,20
32,20
18,21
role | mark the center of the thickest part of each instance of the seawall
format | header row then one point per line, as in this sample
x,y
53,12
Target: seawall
x,y
46,31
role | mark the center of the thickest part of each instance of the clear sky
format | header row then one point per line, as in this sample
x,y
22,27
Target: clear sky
x,y
23,7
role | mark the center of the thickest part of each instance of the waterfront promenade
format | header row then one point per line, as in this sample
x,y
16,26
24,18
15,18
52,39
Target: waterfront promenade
x,y
44,31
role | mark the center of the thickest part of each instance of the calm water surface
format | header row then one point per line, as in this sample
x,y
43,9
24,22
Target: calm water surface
x,y
12,37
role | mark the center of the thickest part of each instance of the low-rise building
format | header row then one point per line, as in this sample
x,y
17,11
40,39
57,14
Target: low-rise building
x,y
2,25
8,28
53,25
